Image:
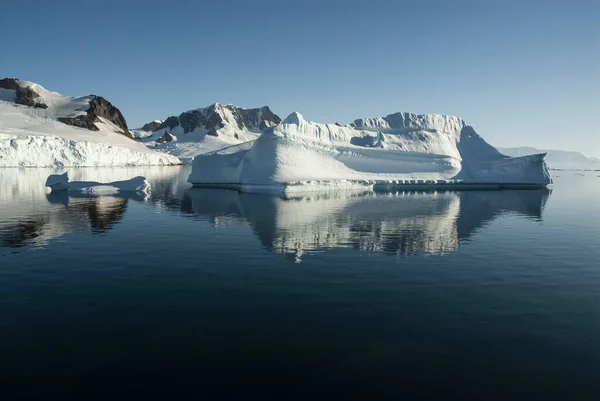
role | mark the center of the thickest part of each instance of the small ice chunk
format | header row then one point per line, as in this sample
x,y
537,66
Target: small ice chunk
x,y
58,182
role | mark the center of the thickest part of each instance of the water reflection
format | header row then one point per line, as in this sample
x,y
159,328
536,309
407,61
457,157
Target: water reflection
x,y
30,215
400,224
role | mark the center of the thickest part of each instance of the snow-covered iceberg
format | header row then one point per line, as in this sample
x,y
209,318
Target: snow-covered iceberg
x,y
400,150
60,182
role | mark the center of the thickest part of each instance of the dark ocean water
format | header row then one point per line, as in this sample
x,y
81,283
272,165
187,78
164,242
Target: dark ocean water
x,y
210,294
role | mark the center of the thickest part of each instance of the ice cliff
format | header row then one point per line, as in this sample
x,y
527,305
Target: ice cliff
x,y
400,149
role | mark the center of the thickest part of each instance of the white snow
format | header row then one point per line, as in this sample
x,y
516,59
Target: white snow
x,y
32,137
140,133
400,149
60,182
197,141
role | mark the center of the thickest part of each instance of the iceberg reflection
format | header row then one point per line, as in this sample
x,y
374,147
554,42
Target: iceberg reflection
x,y
394,223
401,223
30,215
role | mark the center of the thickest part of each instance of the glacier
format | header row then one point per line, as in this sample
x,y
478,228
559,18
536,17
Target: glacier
x,y
401,150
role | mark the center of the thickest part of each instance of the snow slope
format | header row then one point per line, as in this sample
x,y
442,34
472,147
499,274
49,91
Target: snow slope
x,y
402,148
207,129
33,136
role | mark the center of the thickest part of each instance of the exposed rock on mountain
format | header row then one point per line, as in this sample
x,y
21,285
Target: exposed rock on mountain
x,y
39,128
152,125
165,138
99,108
23,94
207,129
217,116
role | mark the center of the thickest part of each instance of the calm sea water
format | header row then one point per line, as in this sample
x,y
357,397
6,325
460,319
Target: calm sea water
x,y
213,294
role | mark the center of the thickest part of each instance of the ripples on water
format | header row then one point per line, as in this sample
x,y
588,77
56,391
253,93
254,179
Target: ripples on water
x,y
491,294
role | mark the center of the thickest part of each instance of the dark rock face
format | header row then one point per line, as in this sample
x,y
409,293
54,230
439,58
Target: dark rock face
x,y
216,116
167,137
25,96
151,126
169,123
260,118
9,83
80,121
212,132
190,120
99,107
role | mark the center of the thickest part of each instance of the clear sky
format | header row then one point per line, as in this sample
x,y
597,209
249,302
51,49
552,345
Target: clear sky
x,y
523,73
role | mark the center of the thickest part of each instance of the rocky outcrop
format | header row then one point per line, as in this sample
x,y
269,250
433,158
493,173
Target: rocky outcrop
x,y
151,126
217,116
99,108
23,95
169,123
165,138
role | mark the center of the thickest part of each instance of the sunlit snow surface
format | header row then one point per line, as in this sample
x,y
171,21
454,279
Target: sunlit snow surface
x,y
32,137
60,182
401,149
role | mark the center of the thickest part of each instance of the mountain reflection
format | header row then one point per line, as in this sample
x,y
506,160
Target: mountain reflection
x,y
66,214
30,216
403,223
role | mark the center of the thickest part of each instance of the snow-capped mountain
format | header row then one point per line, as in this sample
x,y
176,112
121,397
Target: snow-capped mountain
x,y
43,128
404,148
84,112
206,129
558,159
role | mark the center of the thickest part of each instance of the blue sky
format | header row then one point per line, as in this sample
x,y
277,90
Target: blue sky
x,y
523,73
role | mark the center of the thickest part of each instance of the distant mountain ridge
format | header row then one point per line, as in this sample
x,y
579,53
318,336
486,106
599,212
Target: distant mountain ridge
x,y
205,129
557,159
216,116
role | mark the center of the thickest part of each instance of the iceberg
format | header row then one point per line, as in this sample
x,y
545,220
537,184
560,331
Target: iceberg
x,y
402,150
60,182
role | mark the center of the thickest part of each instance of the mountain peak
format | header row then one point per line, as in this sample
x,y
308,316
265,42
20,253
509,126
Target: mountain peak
x,y
83,112
217,116
294,118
